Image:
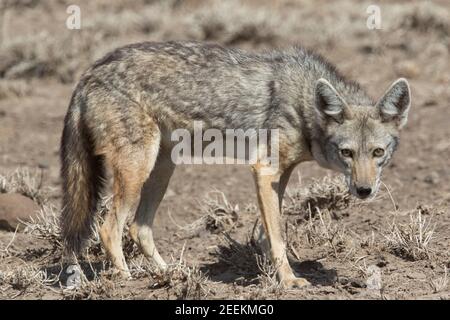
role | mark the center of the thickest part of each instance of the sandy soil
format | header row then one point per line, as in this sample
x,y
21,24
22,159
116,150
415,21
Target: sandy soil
x,y
40,61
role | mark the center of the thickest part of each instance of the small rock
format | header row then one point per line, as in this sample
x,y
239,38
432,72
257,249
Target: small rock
x,y
15,207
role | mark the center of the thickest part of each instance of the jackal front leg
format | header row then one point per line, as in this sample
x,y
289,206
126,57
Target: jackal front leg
x,y
268,188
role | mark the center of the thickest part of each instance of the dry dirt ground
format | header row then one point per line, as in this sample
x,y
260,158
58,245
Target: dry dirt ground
x,y
395,247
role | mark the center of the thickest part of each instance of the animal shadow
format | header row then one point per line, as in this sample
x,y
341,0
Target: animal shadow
x,y
241,263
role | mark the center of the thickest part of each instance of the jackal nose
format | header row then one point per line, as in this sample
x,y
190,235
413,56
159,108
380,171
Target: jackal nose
x,y
364,192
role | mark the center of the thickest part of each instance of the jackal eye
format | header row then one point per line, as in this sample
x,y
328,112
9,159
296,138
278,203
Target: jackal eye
x,y
378,152
346,153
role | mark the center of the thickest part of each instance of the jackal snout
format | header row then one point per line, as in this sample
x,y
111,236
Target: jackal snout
x,y
364,179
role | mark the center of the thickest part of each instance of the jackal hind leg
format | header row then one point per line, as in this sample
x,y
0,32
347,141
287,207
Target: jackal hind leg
x,y
131,168
152,193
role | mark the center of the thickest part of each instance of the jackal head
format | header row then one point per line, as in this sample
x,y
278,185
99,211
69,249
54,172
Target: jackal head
x,y
359,140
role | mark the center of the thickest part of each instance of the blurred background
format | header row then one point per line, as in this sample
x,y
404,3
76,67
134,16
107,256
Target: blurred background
x,y
41,60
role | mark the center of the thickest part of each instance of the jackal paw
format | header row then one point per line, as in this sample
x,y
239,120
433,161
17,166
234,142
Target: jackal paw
x,y
294,282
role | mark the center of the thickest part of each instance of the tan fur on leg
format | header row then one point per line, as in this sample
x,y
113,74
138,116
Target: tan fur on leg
x,y
152,194
131,168
268,191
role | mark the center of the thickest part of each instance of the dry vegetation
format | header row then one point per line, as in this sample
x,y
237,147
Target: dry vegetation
x,y
393,247
38,271
25,182
411,240
217,215
329,193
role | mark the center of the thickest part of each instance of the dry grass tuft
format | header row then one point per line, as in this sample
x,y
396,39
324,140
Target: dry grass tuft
x,y
411,240
330,193
178,279
100,286
440,284
26,279
268,275
318,230
184,281
251,264
25,182
45,226
218,215
268,285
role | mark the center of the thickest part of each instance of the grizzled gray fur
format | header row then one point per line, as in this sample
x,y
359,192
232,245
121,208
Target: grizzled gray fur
x,y
126,105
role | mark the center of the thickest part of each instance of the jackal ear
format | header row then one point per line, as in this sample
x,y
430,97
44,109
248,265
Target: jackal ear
x,y
395,103
329,103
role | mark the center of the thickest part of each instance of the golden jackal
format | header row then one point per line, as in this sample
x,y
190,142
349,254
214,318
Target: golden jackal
x,y
126,105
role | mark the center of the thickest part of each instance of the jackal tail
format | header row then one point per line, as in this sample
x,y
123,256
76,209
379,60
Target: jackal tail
x,y
83,176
